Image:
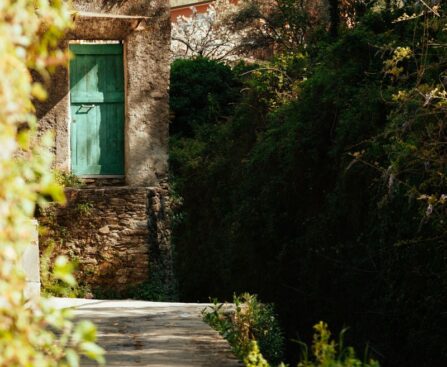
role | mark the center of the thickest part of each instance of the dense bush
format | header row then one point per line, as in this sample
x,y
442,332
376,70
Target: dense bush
x,y
202,92
249,321
330,201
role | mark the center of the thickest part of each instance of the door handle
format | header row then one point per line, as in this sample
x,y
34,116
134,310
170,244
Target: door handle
x,y
87,105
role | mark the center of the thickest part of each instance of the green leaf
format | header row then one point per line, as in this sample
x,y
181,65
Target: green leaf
x,y
85,331
93,351
63,270
72,358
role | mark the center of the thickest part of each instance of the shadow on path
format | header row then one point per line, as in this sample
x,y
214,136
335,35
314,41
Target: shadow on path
x,y
136,333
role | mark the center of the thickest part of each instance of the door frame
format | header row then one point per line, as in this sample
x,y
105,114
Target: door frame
x,y
100,42
146,41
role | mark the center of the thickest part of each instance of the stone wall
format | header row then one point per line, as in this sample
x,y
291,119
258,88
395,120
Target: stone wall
x,y
118,236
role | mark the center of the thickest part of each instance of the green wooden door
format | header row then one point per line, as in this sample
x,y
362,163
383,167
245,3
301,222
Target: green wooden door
x,y
97,109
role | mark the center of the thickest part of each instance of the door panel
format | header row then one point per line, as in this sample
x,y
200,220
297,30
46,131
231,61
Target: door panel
x,y
97,110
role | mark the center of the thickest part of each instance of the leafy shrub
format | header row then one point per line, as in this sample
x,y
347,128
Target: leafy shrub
x,y
155,289
254,357
251,325
202,92
326,352
66,179
250,321
51,284
329,201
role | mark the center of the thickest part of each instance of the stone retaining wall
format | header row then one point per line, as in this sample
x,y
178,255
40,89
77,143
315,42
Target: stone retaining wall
x,y
113,233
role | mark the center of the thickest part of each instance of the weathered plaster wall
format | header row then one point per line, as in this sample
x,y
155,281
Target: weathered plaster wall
x,y
146,153
53,114
144,28
119,236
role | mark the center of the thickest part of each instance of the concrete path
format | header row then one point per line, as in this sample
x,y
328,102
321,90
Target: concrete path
x,y
137,333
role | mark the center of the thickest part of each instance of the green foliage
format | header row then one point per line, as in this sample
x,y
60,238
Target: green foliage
x,y
211,90
326,352
329,199
250,322
150,291
67,179
254,357
154,290
84,209
280,24
253,332
32,332
53,285
279,81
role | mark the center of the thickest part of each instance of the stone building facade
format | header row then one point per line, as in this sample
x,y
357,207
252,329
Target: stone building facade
x,y
109,111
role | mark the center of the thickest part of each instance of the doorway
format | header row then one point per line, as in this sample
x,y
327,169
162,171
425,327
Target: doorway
x,y
97,110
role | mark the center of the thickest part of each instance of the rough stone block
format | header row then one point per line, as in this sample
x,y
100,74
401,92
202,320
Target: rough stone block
x,y
113,257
